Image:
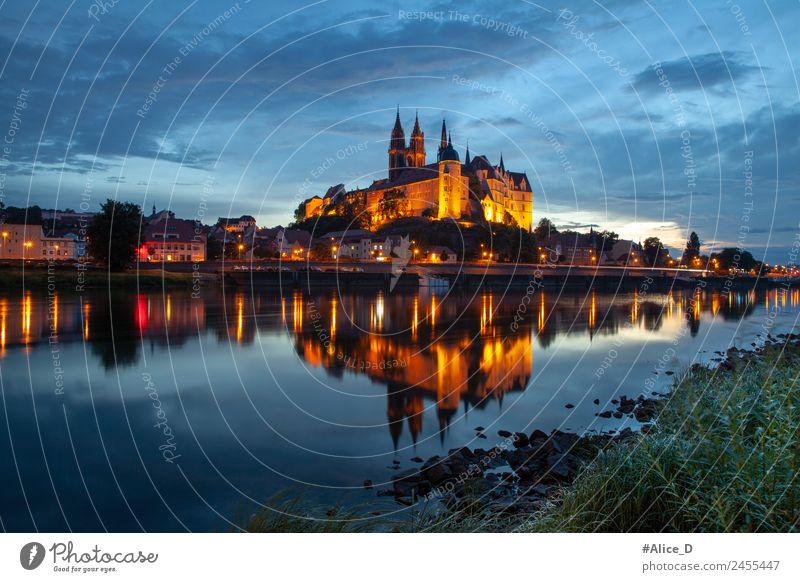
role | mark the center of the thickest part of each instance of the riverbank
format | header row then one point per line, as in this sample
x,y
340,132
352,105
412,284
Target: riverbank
x,y
70,279
720,453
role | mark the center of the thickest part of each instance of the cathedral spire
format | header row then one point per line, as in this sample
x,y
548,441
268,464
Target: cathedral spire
x,y
466,158
502,166
417,130
443,141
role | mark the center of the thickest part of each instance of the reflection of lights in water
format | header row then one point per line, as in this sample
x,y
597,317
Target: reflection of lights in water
x,y
592,312
483,313
433,311
696,311
541,319
239,318
86,309
297,312
379,311
714,303
634,306
283,310
27,309
3,316
54,326
169,308
333,317
415,321
141,312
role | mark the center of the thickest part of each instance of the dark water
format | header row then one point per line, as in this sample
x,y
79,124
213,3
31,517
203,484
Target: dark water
x,y
166,413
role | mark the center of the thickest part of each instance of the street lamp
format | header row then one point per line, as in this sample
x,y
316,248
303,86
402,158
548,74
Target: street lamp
x,y
241,248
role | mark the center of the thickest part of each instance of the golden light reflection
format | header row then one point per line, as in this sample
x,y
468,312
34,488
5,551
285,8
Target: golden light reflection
x,y
54,326
415,320
3,318
297,312
86,309
239,318
592,311
433,311
169,307
379,306
541,318
27,309
333,320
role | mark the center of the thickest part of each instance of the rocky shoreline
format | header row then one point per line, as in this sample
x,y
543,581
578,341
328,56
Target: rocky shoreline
x,y
523,472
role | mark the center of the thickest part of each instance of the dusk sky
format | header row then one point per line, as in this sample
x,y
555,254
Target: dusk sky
x,y
221,108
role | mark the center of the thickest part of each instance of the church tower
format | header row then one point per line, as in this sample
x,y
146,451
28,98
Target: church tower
x,y
416,147
442,142
397,149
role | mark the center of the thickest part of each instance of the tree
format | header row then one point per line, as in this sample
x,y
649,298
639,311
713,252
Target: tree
x,y
655,254
320,251
509,220
213,249
605,240
393,205
692,250
114,234
300,212
544,229
732,258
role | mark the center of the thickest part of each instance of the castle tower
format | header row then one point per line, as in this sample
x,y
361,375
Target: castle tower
x,y
452,193
442,142
416,147
397,149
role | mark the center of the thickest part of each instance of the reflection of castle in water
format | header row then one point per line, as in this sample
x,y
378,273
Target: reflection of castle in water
x,y
450,351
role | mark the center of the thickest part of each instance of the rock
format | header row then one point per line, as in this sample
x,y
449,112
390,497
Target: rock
x,y
669,372
504,433
408,476
604,414
617,414
386,493
479,429
520,440
562,465
569,406
537,435
480,435
417,459
438,473
367,483
596,401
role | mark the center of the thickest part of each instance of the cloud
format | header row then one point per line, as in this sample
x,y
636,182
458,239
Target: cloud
x,y
698,72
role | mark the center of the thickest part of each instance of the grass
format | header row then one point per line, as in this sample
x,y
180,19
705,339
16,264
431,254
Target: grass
x,y
723,458
66,278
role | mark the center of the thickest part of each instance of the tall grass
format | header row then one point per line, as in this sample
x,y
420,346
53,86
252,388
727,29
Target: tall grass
x,y
723,458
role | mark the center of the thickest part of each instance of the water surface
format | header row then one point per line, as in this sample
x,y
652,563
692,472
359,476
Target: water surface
x,y
163,412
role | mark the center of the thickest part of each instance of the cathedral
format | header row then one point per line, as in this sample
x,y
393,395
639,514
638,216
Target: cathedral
x,y
474,190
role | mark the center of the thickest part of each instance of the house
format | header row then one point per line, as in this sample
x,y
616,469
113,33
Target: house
x,y
28,241
239,225
440,254
169,239
626,252
572,248
293,243
21,241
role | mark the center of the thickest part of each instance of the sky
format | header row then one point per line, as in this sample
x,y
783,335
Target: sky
x,y
649,119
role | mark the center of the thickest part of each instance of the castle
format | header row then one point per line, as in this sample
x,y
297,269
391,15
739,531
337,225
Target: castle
x,y
475,190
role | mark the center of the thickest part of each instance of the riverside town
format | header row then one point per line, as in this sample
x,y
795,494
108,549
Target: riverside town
x,y
521,269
